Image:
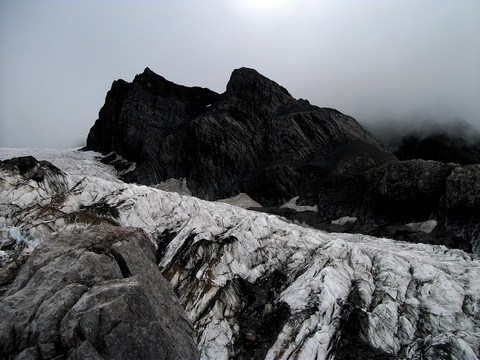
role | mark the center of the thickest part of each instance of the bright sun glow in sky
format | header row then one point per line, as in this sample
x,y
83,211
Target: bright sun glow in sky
x,y
264,8
376,60
265,4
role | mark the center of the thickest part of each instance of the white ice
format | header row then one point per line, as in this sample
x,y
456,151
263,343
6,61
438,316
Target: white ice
x,y
402,288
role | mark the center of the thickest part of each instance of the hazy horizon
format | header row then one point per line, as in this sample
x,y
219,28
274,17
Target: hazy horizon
x,y
401,62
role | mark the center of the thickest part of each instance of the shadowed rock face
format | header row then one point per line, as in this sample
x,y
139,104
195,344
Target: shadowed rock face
x,y
408,190
254,138
94,294
462,204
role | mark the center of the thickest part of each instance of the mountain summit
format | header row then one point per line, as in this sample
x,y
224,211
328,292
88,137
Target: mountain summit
x,y
257,139
254,138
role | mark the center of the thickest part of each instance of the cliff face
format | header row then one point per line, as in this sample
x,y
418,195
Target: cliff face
x,y
254,138
138,119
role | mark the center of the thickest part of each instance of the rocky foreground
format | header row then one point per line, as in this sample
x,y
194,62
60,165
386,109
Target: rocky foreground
x,y
251,284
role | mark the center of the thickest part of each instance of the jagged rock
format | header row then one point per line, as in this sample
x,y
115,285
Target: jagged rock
x,y
96,294
122,166
27,183
388,197
254,138
138,118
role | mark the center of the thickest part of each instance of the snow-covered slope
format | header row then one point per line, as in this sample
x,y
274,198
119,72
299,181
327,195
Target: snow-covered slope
x,y
258,287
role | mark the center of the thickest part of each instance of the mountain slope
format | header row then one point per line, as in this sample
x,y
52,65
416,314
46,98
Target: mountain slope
x,y
254,138
257,286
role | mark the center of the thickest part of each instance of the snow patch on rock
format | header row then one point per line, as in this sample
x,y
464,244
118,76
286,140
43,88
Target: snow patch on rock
x,y
71,161
174,185
241,200
344,220
292,204
424,226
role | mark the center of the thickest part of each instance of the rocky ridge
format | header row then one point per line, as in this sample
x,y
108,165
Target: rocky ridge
x,y
255,138
253,285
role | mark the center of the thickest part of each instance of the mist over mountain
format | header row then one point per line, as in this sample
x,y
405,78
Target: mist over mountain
x,y
392,132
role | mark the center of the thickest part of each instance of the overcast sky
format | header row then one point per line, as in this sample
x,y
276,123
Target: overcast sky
x,y
405,60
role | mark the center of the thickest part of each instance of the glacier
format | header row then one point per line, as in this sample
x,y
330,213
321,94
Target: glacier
x,y
253,284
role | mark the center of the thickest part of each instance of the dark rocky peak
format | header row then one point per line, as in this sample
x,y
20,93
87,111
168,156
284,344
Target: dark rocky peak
x,y
159,86
137,116
294,107
254,138
257,90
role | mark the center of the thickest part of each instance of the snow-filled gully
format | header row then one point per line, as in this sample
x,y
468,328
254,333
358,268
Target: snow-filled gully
x,y
258,287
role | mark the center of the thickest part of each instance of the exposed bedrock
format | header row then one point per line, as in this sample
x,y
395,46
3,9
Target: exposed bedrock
x,y
254,138
462,204
386,198
418,190
94,294
407,191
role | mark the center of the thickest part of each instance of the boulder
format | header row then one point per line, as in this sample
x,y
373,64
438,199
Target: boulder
x,y
94,294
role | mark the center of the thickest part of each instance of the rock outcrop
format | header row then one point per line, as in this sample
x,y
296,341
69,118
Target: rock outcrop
x,y
38,181
94,294
254,138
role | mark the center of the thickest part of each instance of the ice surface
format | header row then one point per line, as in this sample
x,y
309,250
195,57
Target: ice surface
x,y
71,161
414,298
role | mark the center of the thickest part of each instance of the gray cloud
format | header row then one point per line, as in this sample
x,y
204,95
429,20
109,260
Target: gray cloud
x,y
375,60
